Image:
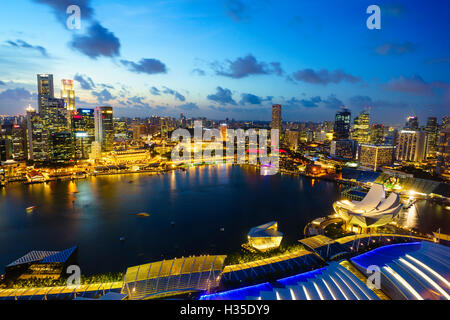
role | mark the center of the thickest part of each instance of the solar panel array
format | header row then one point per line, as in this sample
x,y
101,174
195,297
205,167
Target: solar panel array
x,y
191,273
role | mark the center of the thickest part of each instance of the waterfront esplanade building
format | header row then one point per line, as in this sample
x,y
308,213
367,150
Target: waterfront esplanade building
x,y
373,211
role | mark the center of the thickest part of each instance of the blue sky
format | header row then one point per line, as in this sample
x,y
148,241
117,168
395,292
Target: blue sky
x,y
232,58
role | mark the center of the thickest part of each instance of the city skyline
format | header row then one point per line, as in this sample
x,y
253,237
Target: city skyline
x,y
232,62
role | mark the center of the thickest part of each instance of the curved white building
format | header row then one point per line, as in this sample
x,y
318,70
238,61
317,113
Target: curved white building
x,y
373,211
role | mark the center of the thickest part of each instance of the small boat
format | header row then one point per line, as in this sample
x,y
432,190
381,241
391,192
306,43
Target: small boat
x,y
143,214
222,229
31,209
172,223
122,239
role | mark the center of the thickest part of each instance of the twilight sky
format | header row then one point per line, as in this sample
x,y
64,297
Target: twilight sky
x,y
232,58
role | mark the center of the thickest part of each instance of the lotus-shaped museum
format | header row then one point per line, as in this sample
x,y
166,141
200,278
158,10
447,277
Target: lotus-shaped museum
x,y
373,211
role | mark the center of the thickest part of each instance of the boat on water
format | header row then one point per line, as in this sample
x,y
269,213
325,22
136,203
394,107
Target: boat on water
x,y
30,209
122,239
143,214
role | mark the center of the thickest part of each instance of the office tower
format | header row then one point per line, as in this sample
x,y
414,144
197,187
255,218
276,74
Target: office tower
x,y
104,127
83,125
412,123
54,114
277,121
120,129
361,127
68,94
223,131
443,154
291,137
164,130
432,137
377,134
375,156
345,149
445,122
411,145
36,136
45,89
342,124
19,142
61,147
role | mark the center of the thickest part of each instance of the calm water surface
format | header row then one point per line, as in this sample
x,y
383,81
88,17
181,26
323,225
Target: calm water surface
x,y
94,213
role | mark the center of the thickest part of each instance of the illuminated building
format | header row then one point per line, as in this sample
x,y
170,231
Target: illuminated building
x,y
121,129
61,147
342,124
373,211
345,149
104,127
265,237
291,137
377,134
361,128
45,90
277,122
375,156
443,154
19,142
83,125
432,137
68,94
412,123
164,130
42,264
172,277
96,150
411,146
36,136
223,131
54,114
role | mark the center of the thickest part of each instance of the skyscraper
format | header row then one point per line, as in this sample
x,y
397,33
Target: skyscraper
x,y
361,127
68,94
104,127
342,124
432,137
36,136
411,145
412,123
377,134
223,131
277,122
375,156
443,154
45,89
84,132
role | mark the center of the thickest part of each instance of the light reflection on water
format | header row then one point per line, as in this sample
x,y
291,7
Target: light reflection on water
x,y
200,201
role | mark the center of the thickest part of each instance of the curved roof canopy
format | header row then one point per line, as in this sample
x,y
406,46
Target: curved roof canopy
x,y
374,210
